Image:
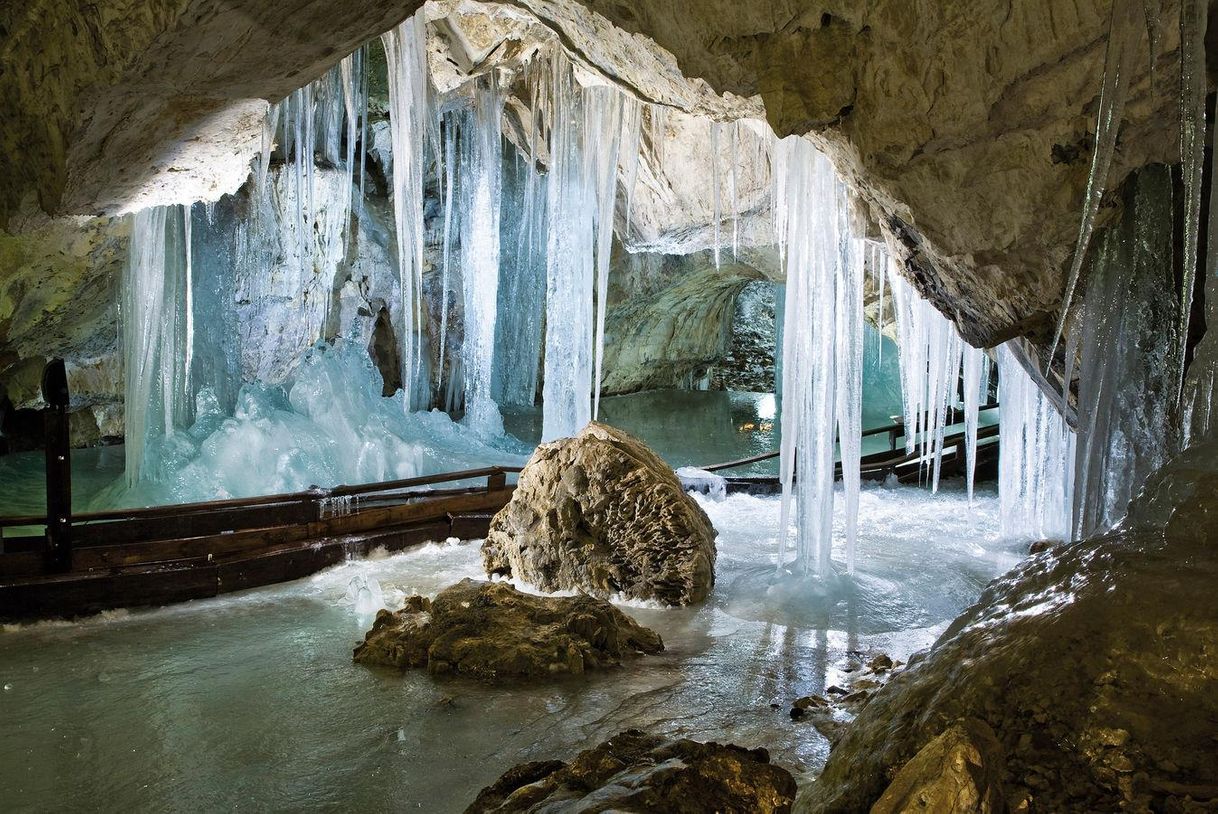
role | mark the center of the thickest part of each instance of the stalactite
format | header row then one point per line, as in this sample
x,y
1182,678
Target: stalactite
x,y
1192,158
409,111
1124,35
1035,478
823,270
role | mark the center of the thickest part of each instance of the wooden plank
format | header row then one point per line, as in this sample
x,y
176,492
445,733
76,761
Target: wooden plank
x,y
194,524
253,540
22,563
470,525
78,594
293,562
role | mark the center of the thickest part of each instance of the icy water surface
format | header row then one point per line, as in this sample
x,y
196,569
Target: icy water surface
x,y
251,701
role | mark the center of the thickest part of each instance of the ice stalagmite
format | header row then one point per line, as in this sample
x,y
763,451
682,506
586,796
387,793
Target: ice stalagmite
x,y
1035,475
409,106
480,170
819,252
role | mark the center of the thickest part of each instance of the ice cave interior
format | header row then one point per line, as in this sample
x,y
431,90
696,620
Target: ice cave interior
x,y
563,405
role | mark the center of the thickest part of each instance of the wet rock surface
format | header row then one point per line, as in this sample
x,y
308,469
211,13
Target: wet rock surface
x,y
1093,664
602,513
833,712
492,632
636,772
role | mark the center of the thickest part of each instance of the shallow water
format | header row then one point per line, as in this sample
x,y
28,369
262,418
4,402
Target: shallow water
x,y
251,701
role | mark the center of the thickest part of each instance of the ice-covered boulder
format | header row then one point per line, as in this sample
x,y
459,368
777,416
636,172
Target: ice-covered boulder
x,y
602,513
491,631
639,772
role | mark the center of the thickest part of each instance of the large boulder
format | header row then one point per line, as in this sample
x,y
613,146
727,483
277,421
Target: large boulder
x,y
491,631
643,773
602,513
1094,664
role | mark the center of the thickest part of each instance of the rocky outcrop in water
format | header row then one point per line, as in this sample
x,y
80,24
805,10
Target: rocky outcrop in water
x,y
1093,665
492,632
602,513
639,772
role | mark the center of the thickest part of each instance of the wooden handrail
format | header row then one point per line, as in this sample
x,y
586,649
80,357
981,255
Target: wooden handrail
x,y
309,495
982,432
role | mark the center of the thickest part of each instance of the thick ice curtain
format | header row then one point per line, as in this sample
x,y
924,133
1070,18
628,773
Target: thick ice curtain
x,y
481,187
157,334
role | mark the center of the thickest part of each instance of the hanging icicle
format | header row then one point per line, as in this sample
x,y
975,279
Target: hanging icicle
x,y
409,113
1124,35
1035,475
480,170
819,317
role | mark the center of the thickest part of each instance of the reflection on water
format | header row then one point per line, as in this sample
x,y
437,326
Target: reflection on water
x,y
252,701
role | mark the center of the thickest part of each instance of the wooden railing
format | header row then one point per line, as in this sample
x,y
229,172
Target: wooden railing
x,y
894,431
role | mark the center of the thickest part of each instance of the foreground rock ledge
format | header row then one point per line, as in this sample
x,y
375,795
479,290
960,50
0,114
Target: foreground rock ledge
x,y
1094,666
491,631
639,772
602,513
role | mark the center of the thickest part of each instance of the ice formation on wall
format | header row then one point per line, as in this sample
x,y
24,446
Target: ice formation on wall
x,y
1126,339
1035,474
1125,27
155,340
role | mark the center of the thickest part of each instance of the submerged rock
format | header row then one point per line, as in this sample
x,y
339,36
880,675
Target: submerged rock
x,y
491,631
602,513
645,773
1093,664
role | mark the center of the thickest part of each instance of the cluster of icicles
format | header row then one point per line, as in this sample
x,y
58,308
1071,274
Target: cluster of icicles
x,y
534,273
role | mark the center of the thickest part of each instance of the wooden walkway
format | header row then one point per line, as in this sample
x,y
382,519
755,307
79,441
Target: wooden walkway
x,y
170,554
82,564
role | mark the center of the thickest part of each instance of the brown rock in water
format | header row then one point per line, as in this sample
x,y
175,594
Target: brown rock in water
x,y
959,771
645,773
491,631
601,513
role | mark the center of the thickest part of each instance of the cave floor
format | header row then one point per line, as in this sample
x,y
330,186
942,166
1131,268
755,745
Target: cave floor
x,y
252,700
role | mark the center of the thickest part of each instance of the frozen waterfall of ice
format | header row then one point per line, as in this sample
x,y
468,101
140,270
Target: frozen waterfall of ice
x,y
819,317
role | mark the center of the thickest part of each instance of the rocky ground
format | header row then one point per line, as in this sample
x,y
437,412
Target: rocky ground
x,y
645,773
492,632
